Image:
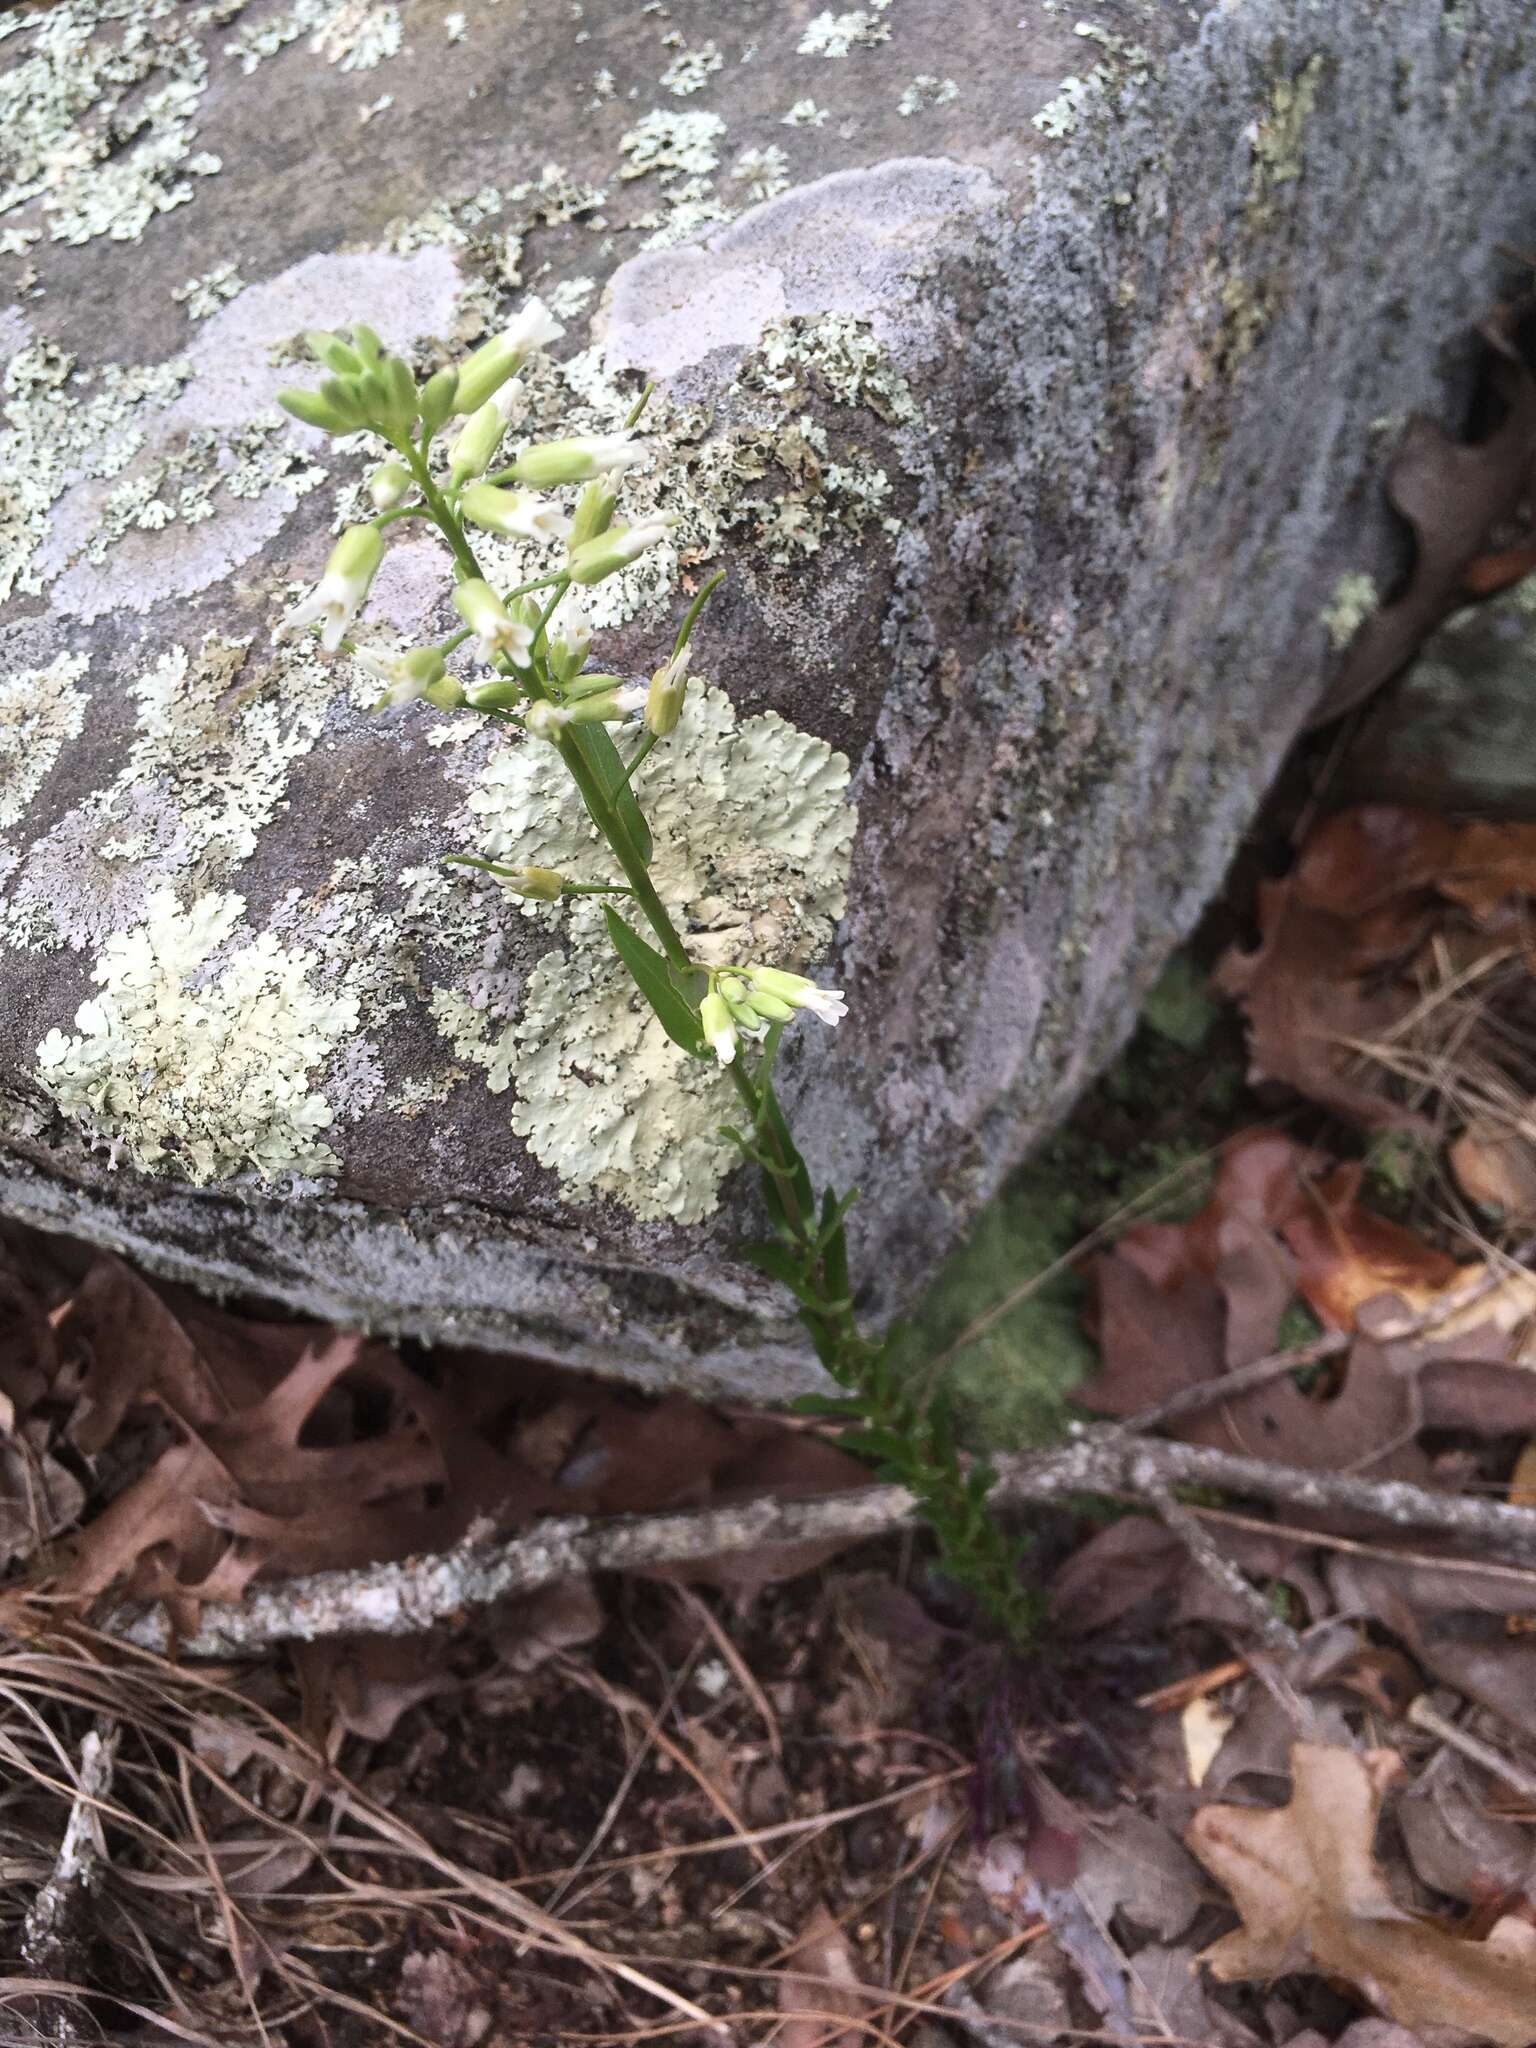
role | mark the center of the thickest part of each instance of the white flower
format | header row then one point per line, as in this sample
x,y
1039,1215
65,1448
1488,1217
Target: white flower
x,y
615,549
719,1027
800,994
521,514
496,631
416,673
495,361
664,699
546,721
547,463
825,1003
338,597
568,639
608,707
534,327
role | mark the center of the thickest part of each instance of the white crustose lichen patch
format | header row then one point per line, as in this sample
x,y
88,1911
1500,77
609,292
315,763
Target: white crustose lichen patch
x,y
195,1072
753,833
40,712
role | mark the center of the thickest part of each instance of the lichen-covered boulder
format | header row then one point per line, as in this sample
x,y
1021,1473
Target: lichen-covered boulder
x,y
1029,372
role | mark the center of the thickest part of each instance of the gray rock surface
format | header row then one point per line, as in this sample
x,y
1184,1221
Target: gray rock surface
x,y
1029,367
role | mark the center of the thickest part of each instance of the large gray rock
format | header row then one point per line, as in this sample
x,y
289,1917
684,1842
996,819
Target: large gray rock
x,y
1028,372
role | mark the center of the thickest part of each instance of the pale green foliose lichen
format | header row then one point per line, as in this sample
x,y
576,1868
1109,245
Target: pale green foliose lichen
x,y
40,712
56,429
753,834
354,35
214,288
195,1070
98,128
926,90
690,70
1351,602
206,769
834,35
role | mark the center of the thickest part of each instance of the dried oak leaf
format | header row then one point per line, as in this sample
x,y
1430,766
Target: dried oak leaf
x,y
1175,1304
1311,1896
1454,494
1358,902
250,1490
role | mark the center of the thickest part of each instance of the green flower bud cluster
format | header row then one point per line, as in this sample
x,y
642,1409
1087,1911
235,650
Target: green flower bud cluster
x,y
368,389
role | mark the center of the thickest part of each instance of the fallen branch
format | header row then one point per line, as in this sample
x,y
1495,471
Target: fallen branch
x,y
428,1592
59,1920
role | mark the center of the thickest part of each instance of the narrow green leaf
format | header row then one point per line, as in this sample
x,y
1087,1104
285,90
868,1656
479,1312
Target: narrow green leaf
x,y
780,1263
602,757
651,978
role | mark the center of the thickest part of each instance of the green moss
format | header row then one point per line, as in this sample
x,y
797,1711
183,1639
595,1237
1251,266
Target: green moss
x,y
1012,1381
1005,1313
1180,1008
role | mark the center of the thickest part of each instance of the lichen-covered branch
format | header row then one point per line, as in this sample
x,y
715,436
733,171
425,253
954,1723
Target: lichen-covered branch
x,y
424,1593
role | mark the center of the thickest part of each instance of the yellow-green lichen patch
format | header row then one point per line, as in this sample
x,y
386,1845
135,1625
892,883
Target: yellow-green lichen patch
x,y
40,712
1352,601
753,835
1252,280
194,1069
1123,63
98,128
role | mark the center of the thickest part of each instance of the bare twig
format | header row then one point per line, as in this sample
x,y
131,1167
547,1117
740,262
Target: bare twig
x,y
1217,1566
427,1592
1262,1372
1424,1716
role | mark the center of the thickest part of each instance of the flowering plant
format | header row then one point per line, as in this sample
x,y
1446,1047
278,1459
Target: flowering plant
x,y
530,647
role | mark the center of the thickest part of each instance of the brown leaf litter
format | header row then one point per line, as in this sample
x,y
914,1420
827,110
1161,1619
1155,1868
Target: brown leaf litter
x,y
1311,1896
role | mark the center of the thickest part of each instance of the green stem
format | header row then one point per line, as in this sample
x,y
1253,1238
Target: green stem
x,y
593,794
638,756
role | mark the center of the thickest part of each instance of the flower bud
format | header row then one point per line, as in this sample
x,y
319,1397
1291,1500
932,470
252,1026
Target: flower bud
x,y
773,983
548,463
437,398
420,673
400,391
494,693
314,410
567,641
594,685
365,341
389,485
594,509
608,707
615,549
496,360
475,443
540,885
664,700
719,1026
343,395
518,513
331,350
